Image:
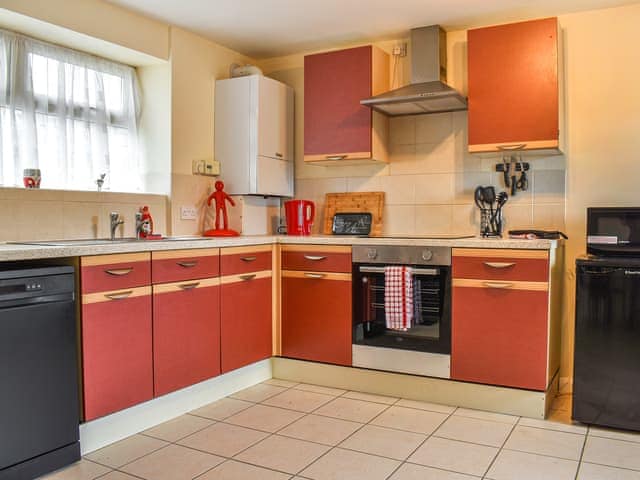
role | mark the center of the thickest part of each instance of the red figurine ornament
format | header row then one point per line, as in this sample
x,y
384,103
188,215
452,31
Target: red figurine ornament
x,y
220,197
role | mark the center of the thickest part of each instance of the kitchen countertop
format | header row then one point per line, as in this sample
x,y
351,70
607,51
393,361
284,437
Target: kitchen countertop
x,y
15,252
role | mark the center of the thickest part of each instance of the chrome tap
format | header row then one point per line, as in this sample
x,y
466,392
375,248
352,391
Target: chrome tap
x,y
141,225
115,222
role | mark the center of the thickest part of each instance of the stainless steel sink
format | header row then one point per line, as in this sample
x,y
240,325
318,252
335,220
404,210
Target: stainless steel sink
x,y
103,241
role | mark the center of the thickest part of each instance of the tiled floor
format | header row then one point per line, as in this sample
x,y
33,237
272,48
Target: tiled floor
x,y
279,430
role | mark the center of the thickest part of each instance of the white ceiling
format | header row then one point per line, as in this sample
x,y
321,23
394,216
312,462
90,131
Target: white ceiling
x,y
268,28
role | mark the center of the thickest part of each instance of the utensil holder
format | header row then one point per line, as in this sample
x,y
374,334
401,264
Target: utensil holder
x,y
490,223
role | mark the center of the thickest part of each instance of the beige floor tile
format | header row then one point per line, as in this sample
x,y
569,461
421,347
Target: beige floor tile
x,y
283,454
300,400
590,471
614,453
222,409
178,428
319,389
265,418
232,470
354,410
258,393
409,471
125,451
316,428
369,397
615,434
553,425
385,442
482,415
223,439
281,383
431,407
341,464
512,465
172,463
474,430
546,442
82,470
455,456
410,419
118,476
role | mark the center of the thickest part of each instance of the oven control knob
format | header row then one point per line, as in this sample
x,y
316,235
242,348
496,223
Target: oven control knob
x,y
372,253
427,255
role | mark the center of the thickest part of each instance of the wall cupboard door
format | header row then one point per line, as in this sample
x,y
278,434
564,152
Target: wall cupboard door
x,y
513,86
246,320
186,333
316,316
117,351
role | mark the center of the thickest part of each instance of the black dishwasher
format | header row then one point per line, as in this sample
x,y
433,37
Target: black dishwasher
x,y
39,417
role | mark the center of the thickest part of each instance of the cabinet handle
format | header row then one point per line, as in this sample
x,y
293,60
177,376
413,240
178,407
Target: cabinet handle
x,y
499,264
315,275
315,258
188,264
119,272
499,285
248,259
517,146
119,295
336,157
279,155
249,276
189,286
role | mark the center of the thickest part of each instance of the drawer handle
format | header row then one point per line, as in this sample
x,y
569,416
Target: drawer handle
x,y
498,285
247,277
188,264
248,259
315,275
189,286
119,272
119,295
517,146
499,264
315,258
279,155
336,157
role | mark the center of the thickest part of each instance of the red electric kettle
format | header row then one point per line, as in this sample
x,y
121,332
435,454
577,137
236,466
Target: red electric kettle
x,y
300,215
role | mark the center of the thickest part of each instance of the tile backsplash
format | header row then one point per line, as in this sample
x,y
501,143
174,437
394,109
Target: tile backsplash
x,y
430,179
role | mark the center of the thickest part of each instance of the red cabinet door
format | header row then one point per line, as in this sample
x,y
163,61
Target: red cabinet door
x,y
513,85
334,121
186,334
246,334
316,316
499,336
116,348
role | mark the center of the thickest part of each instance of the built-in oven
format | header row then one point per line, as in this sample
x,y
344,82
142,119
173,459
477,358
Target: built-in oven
x,y
613,231
422,348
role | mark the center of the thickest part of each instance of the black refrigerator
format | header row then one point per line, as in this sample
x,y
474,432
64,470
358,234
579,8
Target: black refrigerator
x,y
606,389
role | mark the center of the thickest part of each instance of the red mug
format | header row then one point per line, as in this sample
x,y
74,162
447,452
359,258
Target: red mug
x,y
31,177
300,215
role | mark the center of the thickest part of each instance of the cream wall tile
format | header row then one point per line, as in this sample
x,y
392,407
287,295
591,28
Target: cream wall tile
x,y
402,130
364,184
549,186
465,219
80,220
549,216
521,197
9,230
433,219
435,128
466,183
517,216
435,188
435,157
399,189
399,219
38,220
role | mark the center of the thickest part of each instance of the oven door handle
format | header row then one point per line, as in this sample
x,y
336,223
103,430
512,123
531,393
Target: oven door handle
x,y
414,271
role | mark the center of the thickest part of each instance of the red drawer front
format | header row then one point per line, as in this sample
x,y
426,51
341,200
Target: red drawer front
x,y
499,337
316,320
165,270
244,263
317,261
117,359
114,276
186,337
501,268
246,326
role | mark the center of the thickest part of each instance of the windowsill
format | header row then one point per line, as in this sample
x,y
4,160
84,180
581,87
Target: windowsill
x,y
45,194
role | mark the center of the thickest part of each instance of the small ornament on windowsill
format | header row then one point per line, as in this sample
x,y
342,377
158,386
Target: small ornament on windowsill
x,y
220,197
100,181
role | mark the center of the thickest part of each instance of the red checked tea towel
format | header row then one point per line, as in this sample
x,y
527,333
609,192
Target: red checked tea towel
x,y
398,297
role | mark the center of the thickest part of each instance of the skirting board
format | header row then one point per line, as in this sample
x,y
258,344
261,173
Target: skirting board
x,y
512,401
103,431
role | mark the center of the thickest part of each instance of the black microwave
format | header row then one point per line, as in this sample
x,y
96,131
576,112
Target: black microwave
x,y
613,231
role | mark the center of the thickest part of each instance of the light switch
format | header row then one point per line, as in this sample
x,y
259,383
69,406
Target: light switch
x,y
188,212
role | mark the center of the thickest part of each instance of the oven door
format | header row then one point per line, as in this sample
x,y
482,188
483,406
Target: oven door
x,y
430,329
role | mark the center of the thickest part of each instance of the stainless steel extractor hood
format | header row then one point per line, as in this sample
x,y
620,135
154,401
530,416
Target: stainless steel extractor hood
x,y
428,92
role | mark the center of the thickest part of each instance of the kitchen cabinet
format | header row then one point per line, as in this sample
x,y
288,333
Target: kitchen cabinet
x,y
501,318
337,128
116,333
316,306
514,87
254,135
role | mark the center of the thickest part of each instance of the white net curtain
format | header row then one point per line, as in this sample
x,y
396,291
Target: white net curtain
x,y
72,115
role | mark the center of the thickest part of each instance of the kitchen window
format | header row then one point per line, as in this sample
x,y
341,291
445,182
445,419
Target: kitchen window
x,y
70,114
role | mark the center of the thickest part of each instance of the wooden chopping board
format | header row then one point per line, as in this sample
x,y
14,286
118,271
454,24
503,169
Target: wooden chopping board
x,y
372,202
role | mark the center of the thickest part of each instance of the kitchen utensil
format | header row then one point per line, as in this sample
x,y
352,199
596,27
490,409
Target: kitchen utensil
x,y
300,216
523,183
371,202
352,223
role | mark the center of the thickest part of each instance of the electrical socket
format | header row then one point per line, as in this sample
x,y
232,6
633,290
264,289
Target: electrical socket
x,y
400,50
208,167
188,212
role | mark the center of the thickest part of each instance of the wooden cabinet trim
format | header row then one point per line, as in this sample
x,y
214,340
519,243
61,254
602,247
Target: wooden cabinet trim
x,y
526,145
501,284
189,284
245,277
111,259
337,157
186,253
247,249
500,253
318,275
316,248
125,292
